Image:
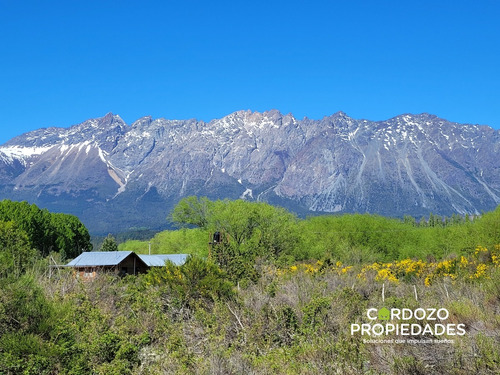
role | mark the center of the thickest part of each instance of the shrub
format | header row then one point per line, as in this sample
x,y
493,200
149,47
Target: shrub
x,y
196,281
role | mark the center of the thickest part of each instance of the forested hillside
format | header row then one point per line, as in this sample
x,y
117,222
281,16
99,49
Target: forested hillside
x,y
271,294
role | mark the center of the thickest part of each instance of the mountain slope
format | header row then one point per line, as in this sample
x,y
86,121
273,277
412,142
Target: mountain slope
x,y
115,176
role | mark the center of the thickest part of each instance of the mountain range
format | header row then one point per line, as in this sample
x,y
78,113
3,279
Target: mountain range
x,y
115,176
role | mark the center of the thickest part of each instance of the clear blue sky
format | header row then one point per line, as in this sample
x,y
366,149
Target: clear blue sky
x,y
63,62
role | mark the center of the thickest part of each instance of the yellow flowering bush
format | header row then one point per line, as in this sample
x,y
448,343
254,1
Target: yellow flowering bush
x,y
480,250
480,271
345,270
474,267
495,256
386,274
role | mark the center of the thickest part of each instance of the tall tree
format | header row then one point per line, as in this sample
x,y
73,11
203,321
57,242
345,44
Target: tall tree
x,y
192,211
248,229
109,244
15,251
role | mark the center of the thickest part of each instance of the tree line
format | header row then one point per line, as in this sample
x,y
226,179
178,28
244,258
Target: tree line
x,y
27,232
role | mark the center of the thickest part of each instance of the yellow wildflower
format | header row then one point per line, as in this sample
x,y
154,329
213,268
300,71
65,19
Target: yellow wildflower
x,y
480,249
310,268
480,271
385,274
345,269
496,260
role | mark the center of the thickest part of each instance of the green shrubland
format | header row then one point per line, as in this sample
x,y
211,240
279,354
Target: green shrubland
x,y
259,230
276,295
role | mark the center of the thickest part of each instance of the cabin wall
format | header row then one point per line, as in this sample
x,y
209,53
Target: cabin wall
x,y
90,273
126,267
131,266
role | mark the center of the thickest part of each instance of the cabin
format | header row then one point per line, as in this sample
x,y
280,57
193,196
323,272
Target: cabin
x,y
88,264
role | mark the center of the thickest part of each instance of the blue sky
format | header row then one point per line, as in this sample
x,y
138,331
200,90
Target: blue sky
x,y
63,62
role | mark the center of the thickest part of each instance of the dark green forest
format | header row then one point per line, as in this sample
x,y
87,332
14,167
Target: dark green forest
x,y
269,294
46,231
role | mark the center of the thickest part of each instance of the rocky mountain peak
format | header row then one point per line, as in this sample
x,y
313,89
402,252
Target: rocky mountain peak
x,y
108,119
142,122
410,164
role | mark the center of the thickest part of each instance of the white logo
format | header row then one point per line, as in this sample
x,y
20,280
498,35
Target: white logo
x,y
407,322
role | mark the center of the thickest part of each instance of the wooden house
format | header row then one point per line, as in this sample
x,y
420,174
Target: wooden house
x,y
88,264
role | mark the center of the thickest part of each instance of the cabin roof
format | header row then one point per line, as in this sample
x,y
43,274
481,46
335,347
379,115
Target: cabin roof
x,y
99,258
159,260
114,258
